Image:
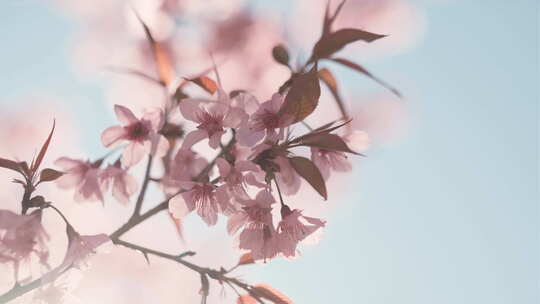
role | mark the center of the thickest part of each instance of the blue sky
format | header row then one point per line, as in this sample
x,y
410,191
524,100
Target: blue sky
x,y
449,215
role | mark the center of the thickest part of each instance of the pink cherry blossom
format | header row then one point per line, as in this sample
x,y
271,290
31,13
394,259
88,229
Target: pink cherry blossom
x,y
187,165
288,179
258,235
20,236
293,228
84,176
331,160
80,247
212,118
327,160
124,184
205,197
234,176
264,121
142,135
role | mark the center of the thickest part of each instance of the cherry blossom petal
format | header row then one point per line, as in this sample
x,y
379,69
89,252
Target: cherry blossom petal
x,y
358,141
160,145
133,153
112,134
155,118
190,109
224,167
193,137
235,117
215,139
248,137
124,115
179,208
67,163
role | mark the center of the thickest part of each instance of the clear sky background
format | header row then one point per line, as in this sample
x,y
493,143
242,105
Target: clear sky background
x,y
448,215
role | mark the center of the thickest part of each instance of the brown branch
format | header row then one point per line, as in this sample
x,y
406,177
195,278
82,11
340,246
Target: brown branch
x,y
134,220
140,198
217,275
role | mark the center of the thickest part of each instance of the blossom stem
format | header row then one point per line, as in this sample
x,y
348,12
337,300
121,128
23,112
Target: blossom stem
x,y
146,180
279,192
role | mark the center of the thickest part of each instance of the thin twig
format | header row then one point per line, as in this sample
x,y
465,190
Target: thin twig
x,y
146,180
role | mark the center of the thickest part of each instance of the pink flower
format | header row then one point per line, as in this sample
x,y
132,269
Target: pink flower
x,y
327,160
212,119
82,175
205,197
142,134
264,121
293,228
288,179
234,176
80,247
123,184
187,165
259,235
20,236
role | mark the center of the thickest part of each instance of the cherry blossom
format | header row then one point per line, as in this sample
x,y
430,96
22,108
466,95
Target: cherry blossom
x,y
205,197
264,121
234,176
331,160
295,227
84,176
142,135
80,247
21,236
124,184
212,118
185,166
287,177
258,235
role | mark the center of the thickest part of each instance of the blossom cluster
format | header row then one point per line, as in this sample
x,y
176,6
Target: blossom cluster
x,y
222,153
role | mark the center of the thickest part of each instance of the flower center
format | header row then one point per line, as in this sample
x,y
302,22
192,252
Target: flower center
x,y
137,131
211,123
267,120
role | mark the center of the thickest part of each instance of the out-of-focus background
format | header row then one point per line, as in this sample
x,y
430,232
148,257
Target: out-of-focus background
x,y
443,210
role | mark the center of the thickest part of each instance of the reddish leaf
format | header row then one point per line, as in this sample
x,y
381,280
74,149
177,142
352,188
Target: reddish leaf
x,y
246,259
41,155
327,141
333,42
307,169
303,96
268,292
328,20
9,164
205,83
163,63
246,299
281,55
328,79
25,169
362,70
49,174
